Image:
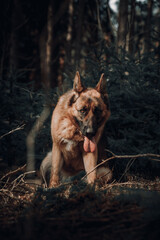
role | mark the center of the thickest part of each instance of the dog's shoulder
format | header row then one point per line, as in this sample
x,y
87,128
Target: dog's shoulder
x,y
62,127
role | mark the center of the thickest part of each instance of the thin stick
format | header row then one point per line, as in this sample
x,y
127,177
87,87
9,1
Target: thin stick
x,y
129,164
13,172
124,157
14,130
21,177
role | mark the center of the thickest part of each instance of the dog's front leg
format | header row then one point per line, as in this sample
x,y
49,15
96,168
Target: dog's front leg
x,y
57,162
90,162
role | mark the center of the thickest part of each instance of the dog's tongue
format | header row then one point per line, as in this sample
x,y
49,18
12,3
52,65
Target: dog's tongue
x,y
89,145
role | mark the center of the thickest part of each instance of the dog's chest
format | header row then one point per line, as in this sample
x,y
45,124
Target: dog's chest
x,y
69,145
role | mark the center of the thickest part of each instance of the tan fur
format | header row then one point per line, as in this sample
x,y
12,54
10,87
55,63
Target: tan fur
x,y
68,156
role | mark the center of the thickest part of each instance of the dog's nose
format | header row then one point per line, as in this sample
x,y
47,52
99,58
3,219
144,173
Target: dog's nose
x,y
90,132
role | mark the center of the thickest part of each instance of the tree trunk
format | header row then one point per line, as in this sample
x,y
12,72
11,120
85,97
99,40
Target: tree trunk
x,y
31,137
49,49
49,46
69,31
131,40
147,40
13,67
123,24
79,33
13,61
109,37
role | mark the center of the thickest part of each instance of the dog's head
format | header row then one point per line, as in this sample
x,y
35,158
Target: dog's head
x,y
90,110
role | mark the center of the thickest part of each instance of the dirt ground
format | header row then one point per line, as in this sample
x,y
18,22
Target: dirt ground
x,y
119,210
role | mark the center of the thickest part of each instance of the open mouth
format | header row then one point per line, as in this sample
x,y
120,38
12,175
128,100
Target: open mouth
x,y
89,145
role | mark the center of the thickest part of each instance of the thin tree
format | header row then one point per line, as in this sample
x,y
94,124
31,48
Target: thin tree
x,y
147,38
79,32
123,24
69,31
131,40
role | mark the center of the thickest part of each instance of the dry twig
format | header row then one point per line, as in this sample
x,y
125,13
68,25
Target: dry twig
x,y
13,172
20,178
12,131
133,157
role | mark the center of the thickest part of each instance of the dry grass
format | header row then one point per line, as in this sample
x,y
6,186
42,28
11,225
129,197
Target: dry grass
x,y
73,210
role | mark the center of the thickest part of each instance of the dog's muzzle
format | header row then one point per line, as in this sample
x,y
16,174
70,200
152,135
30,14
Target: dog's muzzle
x,y
89,132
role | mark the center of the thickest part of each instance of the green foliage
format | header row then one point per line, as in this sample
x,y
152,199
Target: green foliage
x,y
134,91
133,85
19,105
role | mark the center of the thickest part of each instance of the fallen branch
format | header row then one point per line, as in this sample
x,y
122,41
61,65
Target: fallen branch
x,y
22,176
129,183
13,172
12,131
125,157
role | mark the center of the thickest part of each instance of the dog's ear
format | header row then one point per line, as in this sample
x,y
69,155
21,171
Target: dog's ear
x,y
77,85
101,85
101,88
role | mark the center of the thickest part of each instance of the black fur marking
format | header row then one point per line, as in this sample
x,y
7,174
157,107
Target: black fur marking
x,y
73,99
106,100
97,111
79,123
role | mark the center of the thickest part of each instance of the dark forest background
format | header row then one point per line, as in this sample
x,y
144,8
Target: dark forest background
x,y
43,43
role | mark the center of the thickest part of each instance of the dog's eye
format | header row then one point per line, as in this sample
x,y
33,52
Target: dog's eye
x,y
83,110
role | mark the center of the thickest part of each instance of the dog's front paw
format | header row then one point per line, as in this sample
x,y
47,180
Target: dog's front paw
x,y
91,178
54,181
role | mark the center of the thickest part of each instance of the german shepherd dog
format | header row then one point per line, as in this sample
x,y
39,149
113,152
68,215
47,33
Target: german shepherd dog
x,y
77,125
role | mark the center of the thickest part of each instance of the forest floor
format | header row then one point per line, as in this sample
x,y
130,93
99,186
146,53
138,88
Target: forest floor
x,y
119,210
